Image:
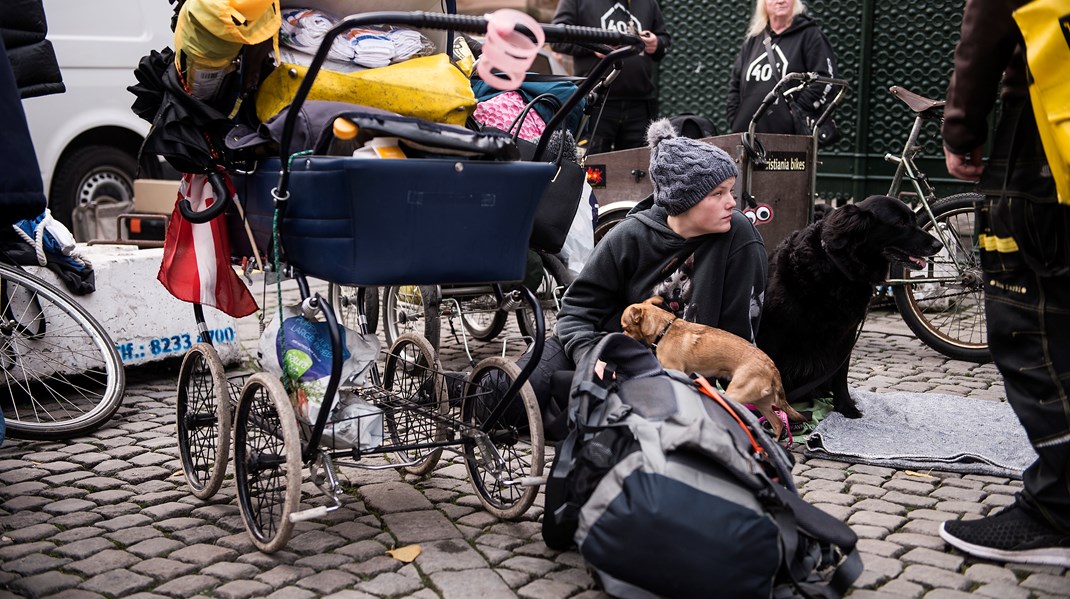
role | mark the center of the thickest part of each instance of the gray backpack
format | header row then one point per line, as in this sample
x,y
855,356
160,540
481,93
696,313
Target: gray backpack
x,y
670,489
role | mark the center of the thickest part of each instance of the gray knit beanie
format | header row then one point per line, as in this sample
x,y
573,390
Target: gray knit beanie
x,y
684,170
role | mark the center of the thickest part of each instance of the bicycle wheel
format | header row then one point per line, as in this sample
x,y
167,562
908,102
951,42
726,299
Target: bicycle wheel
x,y
344,300
203,420
511,451
482,318
555,280
61,373
267,461
417,412
410,308
946,307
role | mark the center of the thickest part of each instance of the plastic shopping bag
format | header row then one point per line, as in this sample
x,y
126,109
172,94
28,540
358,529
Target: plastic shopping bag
x,y
300,348
579,243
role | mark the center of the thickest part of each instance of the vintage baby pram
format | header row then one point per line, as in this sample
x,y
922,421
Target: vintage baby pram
x,y
445,218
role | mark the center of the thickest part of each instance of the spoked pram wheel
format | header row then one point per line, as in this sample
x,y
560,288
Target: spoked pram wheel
x,y
267,461
411,374
203,420
505,461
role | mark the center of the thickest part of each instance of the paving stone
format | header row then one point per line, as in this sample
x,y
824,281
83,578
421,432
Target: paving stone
x,y
155,547
546,589
315,542
353,531
1048,583
323,561
450,554
373,566
395,496
362,550
202,555
958,494
911,501
877,570
240,589
13,552
881,506
103,561
881,548
132,536
207,534
888,521
117,583
283,575
84,548
35,563
168,510
163,569
903,589
916,540
76,520
25,502
989,574
929,557
329,581
77,534
390,584
470,584
36,532
68,506
43,585
417,527
947,594
935,577
187,586
293,592
125,521
531,565
1002,590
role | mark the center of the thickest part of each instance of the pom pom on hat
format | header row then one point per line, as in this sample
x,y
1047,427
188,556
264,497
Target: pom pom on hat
x,y
684,170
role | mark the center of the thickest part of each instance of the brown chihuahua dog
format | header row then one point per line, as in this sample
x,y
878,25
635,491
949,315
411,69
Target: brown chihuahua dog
x,y
711,352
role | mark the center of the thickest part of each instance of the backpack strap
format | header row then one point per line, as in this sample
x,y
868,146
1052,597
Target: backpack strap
x,y
820,525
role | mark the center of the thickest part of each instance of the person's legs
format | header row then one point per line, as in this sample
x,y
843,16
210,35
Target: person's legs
x,y
1028,317
635,118
607,126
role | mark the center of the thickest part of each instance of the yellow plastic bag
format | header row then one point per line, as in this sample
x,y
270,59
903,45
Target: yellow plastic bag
x,y
1045,25
428,87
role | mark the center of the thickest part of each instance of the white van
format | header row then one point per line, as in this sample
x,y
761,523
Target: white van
x,y
87,139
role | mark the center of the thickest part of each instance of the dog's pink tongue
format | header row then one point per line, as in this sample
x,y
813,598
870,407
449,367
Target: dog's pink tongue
x,y
674,306
921,262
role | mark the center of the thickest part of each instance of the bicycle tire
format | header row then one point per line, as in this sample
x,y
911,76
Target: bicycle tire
x,y
498,476
62,381
405,306
948,316
344,298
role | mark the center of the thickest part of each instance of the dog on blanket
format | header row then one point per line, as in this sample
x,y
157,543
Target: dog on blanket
x,y
711,352
821,281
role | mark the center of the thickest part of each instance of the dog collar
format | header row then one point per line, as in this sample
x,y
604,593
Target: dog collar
x,y
657,339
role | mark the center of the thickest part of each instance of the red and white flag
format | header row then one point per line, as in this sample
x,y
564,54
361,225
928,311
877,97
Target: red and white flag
x,y
196,257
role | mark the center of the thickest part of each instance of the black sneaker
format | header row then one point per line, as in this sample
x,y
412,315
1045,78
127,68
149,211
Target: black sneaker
x,y
1012,535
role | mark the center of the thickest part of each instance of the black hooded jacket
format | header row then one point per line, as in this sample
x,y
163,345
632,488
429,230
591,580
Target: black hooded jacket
x,y
801,48
636,80
723,285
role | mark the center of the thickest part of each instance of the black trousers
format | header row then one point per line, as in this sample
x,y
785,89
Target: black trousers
x,y
1026,260
622,125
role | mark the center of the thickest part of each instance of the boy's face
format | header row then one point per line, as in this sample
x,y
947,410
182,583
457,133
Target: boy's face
x,y
713,214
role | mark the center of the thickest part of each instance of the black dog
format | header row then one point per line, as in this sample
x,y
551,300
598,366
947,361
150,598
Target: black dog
x,y
821,280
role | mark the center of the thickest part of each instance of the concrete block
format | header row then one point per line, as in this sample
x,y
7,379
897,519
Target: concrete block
x,y
144,320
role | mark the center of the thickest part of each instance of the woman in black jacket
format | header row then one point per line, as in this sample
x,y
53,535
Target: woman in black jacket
x,y
797,45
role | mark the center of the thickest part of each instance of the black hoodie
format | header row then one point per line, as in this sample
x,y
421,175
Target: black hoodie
x,y
636,80
723,285
801,48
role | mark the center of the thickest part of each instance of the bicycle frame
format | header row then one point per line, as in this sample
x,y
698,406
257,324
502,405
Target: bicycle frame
x,y
907,169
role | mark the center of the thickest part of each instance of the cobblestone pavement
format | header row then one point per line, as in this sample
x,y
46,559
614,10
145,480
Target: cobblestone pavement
x,y
110,515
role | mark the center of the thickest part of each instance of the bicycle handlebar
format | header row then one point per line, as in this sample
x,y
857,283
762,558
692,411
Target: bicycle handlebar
x,y
222,200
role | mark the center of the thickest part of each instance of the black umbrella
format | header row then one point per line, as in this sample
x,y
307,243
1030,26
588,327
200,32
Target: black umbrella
x,y
187,132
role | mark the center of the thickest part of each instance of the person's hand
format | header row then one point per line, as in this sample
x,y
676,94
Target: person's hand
x,y
967,168
650,42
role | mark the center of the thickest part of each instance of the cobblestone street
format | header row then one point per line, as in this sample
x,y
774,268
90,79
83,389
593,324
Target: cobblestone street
x,y
110,514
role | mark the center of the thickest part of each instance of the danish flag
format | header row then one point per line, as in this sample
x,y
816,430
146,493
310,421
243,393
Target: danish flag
x,y
196,257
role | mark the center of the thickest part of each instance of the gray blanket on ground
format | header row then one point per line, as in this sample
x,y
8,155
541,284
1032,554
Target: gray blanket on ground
x,y
922,431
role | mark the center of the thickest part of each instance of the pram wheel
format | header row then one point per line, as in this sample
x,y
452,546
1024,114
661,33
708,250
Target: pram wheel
x,y
344,300
203,420
412,309
504,463
267,461
482,318
411,374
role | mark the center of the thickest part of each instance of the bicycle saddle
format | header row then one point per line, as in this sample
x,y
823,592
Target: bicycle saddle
x,y
916,103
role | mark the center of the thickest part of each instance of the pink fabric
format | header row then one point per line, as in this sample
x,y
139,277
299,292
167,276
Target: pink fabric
x,y
501,110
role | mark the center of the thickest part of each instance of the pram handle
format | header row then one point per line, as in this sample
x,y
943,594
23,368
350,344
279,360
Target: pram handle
x,y
630,44
222,196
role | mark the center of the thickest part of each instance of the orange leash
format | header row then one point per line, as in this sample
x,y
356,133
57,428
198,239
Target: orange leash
x,y
707,389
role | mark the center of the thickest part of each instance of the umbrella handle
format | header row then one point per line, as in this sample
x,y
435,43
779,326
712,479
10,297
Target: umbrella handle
x,y
223,199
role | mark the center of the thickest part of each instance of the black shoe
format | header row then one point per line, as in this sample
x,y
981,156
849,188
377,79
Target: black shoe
x,y
1012,535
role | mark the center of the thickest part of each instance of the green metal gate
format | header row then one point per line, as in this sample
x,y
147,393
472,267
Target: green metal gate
x,y
878,44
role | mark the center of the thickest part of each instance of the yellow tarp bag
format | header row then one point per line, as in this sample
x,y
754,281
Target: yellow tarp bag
x,y
428,87
1045,25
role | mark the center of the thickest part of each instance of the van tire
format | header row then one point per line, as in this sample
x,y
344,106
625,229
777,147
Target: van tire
x,y
88,173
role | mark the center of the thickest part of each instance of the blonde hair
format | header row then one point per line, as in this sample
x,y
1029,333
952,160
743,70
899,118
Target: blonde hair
x,y
760,18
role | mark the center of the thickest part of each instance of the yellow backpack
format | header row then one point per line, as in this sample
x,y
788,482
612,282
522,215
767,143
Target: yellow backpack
x,y
1045,25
